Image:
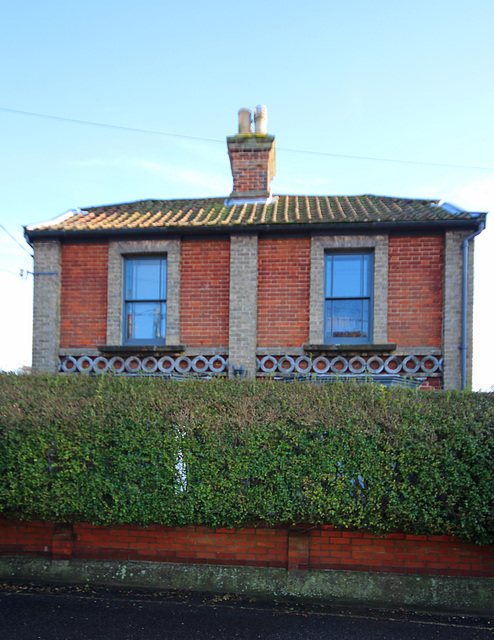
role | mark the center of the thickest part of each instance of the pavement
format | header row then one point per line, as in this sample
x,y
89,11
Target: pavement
x,y
37,612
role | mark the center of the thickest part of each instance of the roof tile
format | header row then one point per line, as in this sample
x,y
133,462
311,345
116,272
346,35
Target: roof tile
x,y
287,209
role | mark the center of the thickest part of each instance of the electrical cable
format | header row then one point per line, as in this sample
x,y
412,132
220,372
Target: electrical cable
x,y
302,151
15,240
7,271
109,126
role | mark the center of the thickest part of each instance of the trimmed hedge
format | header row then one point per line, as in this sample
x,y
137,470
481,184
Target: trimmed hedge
x,y
110,450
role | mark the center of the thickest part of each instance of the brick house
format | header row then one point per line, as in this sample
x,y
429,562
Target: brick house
x,y
258,284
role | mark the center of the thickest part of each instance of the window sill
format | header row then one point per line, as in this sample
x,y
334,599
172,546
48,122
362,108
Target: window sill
x,y
142,348
381,347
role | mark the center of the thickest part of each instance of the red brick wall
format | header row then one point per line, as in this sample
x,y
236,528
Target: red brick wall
x,y
320,548
283,292
84,295
430,384
25,538
415,290
398,553
205,293
192,545
251,169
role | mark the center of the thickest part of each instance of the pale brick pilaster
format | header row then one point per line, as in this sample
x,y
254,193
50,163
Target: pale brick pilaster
x,y
243,303
46,305
452,316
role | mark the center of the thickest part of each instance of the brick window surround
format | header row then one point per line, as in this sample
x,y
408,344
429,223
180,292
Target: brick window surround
x,y
139,294
376,243
119,250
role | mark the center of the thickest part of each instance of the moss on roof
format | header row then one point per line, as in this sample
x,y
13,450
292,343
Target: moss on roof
x,y
283,210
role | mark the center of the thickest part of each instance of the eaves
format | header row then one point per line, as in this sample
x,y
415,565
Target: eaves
x,y
342,228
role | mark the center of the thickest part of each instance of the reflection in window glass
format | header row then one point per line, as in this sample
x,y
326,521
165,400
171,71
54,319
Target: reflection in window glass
x,y
348,304
146,320
348,319
347,276
145,301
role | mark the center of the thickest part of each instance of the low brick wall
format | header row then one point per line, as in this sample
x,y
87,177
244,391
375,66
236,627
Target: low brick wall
x,y
299,549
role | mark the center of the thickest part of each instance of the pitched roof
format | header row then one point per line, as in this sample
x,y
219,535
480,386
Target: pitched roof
x,y
281,211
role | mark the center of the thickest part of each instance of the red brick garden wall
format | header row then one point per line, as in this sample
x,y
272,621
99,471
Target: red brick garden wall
x,y
205,293
83,305
26,538
283,292
313,548
398,553
432,384
415,290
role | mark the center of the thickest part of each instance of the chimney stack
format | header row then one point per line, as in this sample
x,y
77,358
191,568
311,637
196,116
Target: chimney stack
x,y
252,157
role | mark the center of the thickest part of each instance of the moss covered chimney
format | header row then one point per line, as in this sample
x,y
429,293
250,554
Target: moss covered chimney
x,y
252,156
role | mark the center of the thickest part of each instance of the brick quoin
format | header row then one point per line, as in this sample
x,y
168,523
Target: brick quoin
x,y
83,305
205,293
283,292
415,290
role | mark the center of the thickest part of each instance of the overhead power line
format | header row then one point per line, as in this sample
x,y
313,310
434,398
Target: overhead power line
x,y
7,271
109,126
215,140
393,160
16,241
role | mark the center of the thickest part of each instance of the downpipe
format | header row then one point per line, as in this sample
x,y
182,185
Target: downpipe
x,y
464,307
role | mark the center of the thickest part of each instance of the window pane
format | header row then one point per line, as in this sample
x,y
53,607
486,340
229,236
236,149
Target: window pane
x,y
328,328
349,319
366,272
144,281
145,320
347,276
163,265
329,276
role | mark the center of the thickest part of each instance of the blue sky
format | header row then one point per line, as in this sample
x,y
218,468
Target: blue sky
x,y
408,81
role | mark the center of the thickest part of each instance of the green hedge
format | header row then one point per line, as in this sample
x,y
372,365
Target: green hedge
x,y
107,450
